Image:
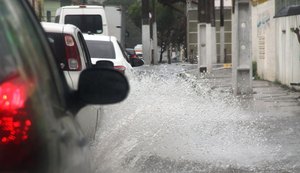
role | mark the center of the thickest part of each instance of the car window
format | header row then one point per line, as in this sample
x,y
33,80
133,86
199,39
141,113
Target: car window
x,y
30,82
23,53
85,51
86,23
101,49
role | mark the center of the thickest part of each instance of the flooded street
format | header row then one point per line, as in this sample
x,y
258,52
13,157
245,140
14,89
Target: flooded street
x,y
180,123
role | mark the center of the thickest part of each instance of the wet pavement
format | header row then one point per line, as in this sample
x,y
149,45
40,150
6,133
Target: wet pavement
x,y
266,95
177,120
279,106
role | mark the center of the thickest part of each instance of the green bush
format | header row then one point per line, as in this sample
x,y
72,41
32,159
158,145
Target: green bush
x,y
254,70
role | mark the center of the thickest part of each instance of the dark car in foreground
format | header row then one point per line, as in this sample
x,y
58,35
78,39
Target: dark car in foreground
x,y
38,131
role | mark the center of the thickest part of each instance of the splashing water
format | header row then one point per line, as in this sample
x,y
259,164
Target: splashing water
x,y
171,123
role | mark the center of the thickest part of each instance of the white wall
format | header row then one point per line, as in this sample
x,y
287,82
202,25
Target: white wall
x,y
50,6
263,40
288,50
275,46
227,3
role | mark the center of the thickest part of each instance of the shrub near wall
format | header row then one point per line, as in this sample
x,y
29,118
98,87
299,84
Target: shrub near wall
x,y
254,70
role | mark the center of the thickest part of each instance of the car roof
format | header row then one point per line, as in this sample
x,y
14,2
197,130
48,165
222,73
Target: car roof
x,y
58,28
97,37
138,46
80,6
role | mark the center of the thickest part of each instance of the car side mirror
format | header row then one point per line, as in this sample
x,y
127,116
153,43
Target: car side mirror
x,y
102,86
135,62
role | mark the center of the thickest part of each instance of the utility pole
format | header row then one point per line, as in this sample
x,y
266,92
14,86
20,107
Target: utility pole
x,y
204,36
241,48
146,32
222,33
154,51
213,32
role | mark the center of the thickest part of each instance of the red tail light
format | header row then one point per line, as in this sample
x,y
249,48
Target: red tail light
x,y
14,120
120,68
72,54
134,56
20,145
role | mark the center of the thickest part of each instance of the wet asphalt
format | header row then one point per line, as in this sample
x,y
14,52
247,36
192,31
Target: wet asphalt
x,y
276,122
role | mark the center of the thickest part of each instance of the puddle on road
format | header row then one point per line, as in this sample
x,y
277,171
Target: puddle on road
x,y
174,124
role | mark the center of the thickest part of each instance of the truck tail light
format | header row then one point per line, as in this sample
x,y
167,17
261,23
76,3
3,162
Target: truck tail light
x,y
72,54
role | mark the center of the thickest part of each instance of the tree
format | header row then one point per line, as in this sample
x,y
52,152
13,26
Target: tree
x,y
135,13
124,3
171,23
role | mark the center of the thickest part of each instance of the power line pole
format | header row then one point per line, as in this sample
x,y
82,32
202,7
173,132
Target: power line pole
x,y
241,48
154,51
213,32
222,32
146,32
204,36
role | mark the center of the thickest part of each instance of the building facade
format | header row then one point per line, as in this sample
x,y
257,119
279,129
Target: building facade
x,y
275,46
192,32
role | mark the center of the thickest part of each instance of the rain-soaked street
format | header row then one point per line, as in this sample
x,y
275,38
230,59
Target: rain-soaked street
x,y
176,121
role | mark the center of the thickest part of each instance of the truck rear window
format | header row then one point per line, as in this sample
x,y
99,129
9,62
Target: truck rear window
x,y
86,23
101,49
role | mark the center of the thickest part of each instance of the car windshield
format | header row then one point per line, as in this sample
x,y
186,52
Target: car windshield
x,y
219,90
86,23
101,49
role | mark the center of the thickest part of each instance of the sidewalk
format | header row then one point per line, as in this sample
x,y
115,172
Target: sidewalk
x,y
266,95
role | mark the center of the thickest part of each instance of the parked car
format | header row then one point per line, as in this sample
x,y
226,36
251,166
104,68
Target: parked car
x,y
38,132
139,50
132,56
131,53
108,48
70,50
